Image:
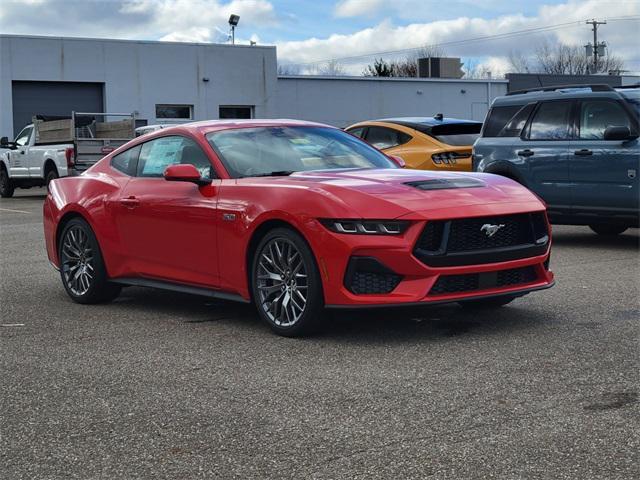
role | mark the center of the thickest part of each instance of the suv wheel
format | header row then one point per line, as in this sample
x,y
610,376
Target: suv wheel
x,y
286,284
6,184
608,230
82,269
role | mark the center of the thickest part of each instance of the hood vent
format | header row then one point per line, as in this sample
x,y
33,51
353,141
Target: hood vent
x,y
446,183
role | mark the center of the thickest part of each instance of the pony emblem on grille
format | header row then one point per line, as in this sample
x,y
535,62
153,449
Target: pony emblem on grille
x,y
490,230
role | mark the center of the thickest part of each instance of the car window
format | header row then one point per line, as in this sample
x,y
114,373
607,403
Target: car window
x,y
597,115
358,132
382,137
23,137
157,154
551,121
248,152
126,162
457,134
498,118
514,127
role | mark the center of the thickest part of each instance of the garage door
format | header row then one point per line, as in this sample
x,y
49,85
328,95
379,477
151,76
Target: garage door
x,y
54,98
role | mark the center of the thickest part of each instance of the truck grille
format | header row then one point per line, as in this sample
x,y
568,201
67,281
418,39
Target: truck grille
x,y
470,241
481,281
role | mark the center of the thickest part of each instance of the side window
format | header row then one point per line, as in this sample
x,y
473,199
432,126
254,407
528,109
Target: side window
x,y
514,127
498,118
126,162
597,115
156,155
381,137
551,121
358,132
23,136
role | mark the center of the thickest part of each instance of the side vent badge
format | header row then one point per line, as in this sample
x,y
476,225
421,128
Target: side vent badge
x,y
228,217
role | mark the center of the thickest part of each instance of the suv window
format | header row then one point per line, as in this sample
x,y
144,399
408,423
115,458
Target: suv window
x,y
157,154
597,115
382,137
127,161
514,127
498,118
23,137
551,121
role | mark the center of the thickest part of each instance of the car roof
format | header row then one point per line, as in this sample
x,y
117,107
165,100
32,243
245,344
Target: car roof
x,y
432,125
208,126
568,92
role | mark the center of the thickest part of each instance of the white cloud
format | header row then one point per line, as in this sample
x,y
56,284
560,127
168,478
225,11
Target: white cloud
x,y
620,35
356,8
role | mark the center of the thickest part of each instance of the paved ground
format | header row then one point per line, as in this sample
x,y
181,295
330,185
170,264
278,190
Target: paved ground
x,y
162,385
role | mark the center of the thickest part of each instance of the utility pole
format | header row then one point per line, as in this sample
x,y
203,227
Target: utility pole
x,y
596,48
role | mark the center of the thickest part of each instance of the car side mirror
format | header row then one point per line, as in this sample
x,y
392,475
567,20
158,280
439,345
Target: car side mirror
x,y
185,173
4,142
398,161
618,133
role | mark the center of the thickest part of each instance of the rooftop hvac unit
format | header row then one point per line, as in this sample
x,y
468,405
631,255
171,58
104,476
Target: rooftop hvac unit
x,y
440,67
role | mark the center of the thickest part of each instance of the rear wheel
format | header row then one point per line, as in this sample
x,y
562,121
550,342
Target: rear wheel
x,y
286,284
488,303
81,265
608,230
50,174
6,184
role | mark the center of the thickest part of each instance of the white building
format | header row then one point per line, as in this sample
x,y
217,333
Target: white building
x,y
176,82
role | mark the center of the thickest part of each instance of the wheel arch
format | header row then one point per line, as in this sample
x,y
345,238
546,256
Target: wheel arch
x,y
49,164
505,169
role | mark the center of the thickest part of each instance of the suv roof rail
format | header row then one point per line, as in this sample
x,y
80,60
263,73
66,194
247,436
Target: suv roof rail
x,y
635,85
595,87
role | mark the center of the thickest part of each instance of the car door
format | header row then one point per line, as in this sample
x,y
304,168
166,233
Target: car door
x,y
18,158
543,152
169,228
604,173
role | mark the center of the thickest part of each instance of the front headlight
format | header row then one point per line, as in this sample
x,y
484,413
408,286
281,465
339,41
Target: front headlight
x,y
365,227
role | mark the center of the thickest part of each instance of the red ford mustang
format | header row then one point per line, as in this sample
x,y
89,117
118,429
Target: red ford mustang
x,y
295,217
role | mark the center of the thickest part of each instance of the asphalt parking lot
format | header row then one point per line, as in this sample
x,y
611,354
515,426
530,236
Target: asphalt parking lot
x,y
164,385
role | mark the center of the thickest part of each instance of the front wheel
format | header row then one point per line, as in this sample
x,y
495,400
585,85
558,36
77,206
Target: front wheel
x,y
608,230
82,269
6,184
488,303
286,284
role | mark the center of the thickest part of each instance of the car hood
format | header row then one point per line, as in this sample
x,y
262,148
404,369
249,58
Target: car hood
x,y
393,193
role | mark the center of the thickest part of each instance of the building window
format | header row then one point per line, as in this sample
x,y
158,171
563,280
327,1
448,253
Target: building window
x,y
235,111
174,112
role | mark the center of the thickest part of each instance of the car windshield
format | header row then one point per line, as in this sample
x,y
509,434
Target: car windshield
x,y
633,97
280,150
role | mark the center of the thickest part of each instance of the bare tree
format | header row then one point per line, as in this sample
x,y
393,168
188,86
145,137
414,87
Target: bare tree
x,y
332,68
379,68
518,62
473,69
403,67
289,69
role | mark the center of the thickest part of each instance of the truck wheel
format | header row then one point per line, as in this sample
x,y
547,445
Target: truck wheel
x,y
6,184
51,174
608,230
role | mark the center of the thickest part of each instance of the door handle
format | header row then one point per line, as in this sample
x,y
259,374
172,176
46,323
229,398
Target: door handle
x,y
21,152
526,153
583,153
130,202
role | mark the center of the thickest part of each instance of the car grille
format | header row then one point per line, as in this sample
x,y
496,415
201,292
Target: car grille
x,y
366,275
481,281
467,241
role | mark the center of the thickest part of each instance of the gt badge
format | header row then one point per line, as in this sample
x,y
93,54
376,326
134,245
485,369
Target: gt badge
x,y
490,230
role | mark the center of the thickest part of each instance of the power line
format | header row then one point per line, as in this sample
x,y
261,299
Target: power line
x,y
498,36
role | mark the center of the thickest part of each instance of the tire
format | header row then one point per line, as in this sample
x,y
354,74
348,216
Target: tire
x,y
488,303
283,268
50,174
79,252
608,230
6,184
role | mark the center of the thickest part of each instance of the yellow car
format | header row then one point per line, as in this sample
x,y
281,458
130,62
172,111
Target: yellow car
x,y
426,143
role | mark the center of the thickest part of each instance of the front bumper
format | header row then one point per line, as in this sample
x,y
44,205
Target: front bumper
x,y
417,280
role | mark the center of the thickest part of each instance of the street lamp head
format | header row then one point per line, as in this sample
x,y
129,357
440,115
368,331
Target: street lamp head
x,y
234,19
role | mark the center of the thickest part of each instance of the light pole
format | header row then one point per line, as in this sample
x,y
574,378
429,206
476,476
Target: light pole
x,y
233,21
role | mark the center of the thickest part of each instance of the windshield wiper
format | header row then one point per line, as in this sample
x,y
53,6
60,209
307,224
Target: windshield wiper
x,y
277,173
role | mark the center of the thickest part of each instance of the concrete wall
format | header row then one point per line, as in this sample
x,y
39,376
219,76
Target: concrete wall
x,y
139,75
341,101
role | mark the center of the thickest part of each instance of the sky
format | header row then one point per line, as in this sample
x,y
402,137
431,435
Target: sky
x,y
310,33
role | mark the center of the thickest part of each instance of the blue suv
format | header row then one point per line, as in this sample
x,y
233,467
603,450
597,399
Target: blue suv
x,y
574,146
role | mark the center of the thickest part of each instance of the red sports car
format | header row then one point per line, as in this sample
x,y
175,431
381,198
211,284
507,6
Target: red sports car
x,y
293,216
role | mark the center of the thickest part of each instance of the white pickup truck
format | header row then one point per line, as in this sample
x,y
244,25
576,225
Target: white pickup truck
x,y
48,149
